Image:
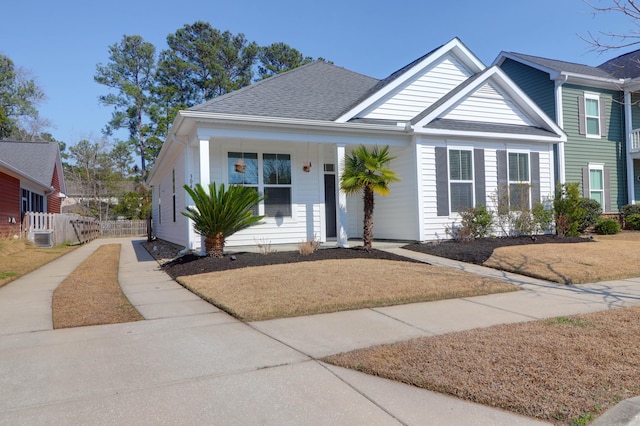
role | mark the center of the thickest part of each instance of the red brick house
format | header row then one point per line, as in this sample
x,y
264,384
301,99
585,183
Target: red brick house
x,y
31,179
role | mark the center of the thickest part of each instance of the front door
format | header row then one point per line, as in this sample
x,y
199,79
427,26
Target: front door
x,y
330,204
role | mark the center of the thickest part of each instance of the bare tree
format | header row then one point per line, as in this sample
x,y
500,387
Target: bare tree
x,y
603,41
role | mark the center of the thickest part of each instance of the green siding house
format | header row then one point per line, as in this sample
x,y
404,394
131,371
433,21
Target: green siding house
x,y
593,106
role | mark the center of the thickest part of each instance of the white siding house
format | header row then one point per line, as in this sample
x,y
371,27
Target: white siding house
x,y
453,127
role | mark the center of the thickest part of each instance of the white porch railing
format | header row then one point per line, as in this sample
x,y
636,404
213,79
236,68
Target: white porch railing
x,y
635,140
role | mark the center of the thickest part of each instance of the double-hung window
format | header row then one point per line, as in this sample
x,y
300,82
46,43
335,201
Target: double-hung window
x,y
519,181
243,170
461,179
269,174
592,115
276,172
596,183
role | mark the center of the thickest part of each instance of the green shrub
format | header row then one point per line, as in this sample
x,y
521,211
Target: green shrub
x,y
542,218
568,210
633,221
592,212
475,222
607,227
629,209
478,220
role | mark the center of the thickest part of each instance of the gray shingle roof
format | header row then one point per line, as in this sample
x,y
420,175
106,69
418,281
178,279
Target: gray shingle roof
x,y
316,91
474,126
623,66
35,160
562,66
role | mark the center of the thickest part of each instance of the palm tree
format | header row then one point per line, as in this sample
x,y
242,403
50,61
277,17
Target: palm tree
x,y
221,212
368,171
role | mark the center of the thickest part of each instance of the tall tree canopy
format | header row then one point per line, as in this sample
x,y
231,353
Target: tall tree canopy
x,y
131,72
19,97
206,62
279,57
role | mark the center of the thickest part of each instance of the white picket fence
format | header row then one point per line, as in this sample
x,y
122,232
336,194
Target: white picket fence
x,y
50,229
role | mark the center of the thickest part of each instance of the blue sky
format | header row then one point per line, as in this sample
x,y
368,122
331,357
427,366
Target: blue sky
x,y
60,42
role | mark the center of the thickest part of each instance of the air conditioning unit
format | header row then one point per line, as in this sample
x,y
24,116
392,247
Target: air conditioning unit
x,y
43,238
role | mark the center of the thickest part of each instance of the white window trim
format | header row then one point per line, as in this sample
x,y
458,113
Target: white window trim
x,y
527,182
472,180
594,97
261,185
597,166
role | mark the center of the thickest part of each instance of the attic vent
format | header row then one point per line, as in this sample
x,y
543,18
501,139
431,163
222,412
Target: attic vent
x,y
42,239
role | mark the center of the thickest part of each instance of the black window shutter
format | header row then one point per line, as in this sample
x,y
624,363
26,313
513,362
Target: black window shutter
x,y
535,178
478,172
581,116
503,181
442,181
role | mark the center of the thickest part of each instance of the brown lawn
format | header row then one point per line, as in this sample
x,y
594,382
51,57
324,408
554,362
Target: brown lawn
x,y
566,370
611,257
91,294
286,290
19,257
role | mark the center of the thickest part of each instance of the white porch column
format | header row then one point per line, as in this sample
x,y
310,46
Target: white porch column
x,y
205,178
341,202
560,123
628,127
205,174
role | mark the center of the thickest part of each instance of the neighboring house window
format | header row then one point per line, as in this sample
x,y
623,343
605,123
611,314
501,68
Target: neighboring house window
x,y
274,181
592,115
159,205
173,183
32,202
596,183
519,181
461,179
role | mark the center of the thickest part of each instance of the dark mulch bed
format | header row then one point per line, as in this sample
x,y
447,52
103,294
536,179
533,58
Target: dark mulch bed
x,y
192,264
481,249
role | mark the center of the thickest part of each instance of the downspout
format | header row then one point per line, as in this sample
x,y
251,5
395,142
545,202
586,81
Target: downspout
x,y
628,124
560,121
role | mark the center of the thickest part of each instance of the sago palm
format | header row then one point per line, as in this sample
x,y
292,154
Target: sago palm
x,y
368,172
221,212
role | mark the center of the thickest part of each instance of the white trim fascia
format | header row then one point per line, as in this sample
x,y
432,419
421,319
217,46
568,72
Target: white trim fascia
x,y
491,135
517,95
455,46
506,55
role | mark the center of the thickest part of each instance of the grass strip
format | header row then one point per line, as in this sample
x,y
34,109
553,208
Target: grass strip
x,y
91,294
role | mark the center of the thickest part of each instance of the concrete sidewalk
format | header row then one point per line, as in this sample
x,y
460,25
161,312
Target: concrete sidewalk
x,y
190,363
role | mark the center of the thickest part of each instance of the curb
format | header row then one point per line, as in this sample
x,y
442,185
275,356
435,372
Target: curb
x,y
625,413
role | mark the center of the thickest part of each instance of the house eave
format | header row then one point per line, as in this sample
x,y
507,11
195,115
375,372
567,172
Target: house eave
x,y
13,172
282,122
